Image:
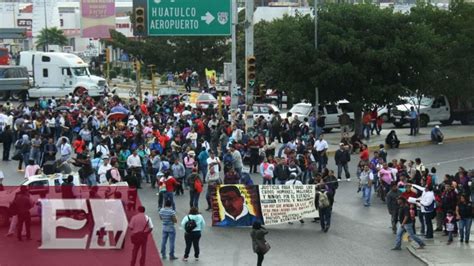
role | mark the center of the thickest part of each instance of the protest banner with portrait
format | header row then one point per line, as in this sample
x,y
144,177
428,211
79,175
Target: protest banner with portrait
x,y
240,205
235,205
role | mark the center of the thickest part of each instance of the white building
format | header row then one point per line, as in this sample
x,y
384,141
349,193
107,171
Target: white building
x,y
62,14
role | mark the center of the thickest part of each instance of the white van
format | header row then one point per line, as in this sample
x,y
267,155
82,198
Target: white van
x,y
330,111
58,74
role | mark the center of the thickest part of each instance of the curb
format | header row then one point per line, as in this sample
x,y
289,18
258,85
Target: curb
x,y
413,252
416,143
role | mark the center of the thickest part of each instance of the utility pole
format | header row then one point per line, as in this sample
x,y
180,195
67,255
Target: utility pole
x,y
233,85
316,90
46,47
152,69
249,63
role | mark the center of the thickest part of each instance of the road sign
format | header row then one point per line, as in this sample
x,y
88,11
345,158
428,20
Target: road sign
x,y
188,17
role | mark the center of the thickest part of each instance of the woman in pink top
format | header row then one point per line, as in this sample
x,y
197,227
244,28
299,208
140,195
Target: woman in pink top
x,y
385,174
31,169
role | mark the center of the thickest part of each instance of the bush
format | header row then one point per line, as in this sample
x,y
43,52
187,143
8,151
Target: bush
x,y
112,74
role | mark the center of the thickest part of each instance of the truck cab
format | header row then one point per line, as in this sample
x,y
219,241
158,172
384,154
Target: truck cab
x,y
431,109
58,74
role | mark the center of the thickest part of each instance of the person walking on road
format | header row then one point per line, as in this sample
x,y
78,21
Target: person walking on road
x,y
406,225
464,216
427,205
259,244
392,205
7,139
168,219
140,226
366,179
324,206
345,122
342,158
193,224
21,206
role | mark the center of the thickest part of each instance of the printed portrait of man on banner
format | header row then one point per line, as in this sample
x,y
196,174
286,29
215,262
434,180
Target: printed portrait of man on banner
x,y
236,205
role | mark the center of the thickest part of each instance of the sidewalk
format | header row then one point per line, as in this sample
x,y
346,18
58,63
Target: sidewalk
x,y
451,133
437,252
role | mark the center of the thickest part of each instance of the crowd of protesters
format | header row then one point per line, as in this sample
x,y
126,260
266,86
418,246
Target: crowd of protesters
x,y
172,147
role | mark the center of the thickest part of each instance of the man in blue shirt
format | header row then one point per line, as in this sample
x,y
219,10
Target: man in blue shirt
x,y
168,219
236,212
413,116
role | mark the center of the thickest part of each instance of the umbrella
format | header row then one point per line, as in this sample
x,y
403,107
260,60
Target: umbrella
x,y
62,109
117,116
120,109
185,113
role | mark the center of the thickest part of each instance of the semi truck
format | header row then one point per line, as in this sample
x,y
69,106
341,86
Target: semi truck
x,y
60,74
14,82
436,109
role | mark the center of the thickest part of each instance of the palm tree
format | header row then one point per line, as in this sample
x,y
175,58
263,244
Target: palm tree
x,y
51,36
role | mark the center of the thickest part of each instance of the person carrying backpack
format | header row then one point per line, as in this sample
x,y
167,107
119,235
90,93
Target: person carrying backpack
x,y
324,207
195,188
193,224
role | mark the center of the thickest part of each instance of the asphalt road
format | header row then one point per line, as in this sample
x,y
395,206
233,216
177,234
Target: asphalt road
x,y
358,235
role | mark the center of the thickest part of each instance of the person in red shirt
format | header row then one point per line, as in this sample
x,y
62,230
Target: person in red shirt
x,y
366,125
364,153
144,107
373,120
79,144
170,183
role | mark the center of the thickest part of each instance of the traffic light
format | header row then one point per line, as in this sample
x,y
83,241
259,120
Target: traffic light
x,y
136,65
139,20
251,71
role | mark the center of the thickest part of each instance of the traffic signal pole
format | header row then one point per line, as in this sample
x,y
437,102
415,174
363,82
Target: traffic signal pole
x,y
316,90
249,58
233,85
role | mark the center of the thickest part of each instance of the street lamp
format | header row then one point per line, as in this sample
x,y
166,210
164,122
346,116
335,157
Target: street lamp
x,y
46,46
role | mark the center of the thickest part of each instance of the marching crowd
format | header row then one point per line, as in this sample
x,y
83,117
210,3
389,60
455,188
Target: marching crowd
x,y
173,147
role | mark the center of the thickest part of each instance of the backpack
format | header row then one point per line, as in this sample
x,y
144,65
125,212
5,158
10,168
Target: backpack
x,y
190,225
323,200
197,185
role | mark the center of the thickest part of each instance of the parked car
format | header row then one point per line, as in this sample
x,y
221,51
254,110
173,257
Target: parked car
x,y
168,94
260,109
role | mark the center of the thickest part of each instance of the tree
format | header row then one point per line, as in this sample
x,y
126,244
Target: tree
x,y
51,36
372,56
175,53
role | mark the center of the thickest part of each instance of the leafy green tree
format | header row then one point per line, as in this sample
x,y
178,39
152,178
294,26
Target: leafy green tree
x,y
175,53
371,56
51,36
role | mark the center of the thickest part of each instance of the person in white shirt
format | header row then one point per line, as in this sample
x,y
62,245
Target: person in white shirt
x,y
366,179
134,164
31,169
321,147
293,180
192,135
141,224
103,168
65,150
427,204
213,162
103,149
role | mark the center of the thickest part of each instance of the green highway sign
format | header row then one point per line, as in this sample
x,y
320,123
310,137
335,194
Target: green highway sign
x,y
189,17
